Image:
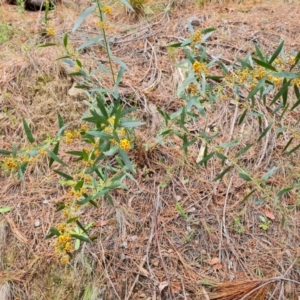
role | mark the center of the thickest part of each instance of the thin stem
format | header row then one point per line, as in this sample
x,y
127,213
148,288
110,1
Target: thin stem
x,y
105,40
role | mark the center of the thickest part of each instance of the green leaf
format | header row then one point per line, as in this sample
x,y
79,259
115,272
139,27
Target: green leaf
x,y
284,191
221,175
5,209
242,117
81,226
294,149
71,220
100,134
83,16
28,132
60,121
230,144
283,89
81,237
127,4
287,144
245,176
68,177
53,232
257,88
55,151
60,206
120,63
244,150
207,30
79,185
276,52
46,45
265,132
287,75
5,152
259,53
131,124
247,196
56,158
206,158
66,37
264,64
267,175
126,160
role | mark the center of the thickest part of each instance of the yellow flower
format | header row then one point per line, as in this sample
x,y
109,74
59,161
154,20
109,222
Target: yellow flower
x,y
198,67
296,82
97,152
102,25
62,239
111,120
50,31
197,36
10,163
125,144
192,89
65,259
42,152
106,9
61,227
77,68
68,247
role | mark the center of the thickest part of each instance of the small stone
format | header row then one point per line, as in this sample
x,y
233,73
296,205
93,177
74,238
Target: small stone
x,y
37,223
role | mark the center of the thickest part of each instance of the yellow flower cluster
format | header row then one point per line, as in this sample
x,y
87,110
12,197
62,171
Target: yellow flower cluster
x,y
50,31
63,244
124,144
197,36
277,81
192,89
10,163
102,25
296,82
200,67
70,136
259,73
106,9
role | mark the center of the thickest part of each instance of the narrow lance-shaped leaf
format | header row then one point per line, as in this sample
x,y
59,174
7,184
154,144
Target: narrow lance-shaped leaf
x,y
283,89
283,191
127,4
257,88
243,150
267,175
287,144
66,37
68,177
126,160
221,175
81,237
83,16
264,64
242,117
53,232
264,132
245,176
56,158
259,53
55,151
28,132
247,196
276,52
294,149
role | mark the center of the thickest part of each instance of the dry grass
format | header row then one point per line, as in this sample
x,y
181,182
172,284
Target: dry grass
x,y
146,249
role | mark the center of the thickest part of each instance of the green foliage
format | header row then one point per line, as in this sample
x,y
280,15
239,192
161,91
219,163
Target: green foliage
x,y
6,32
